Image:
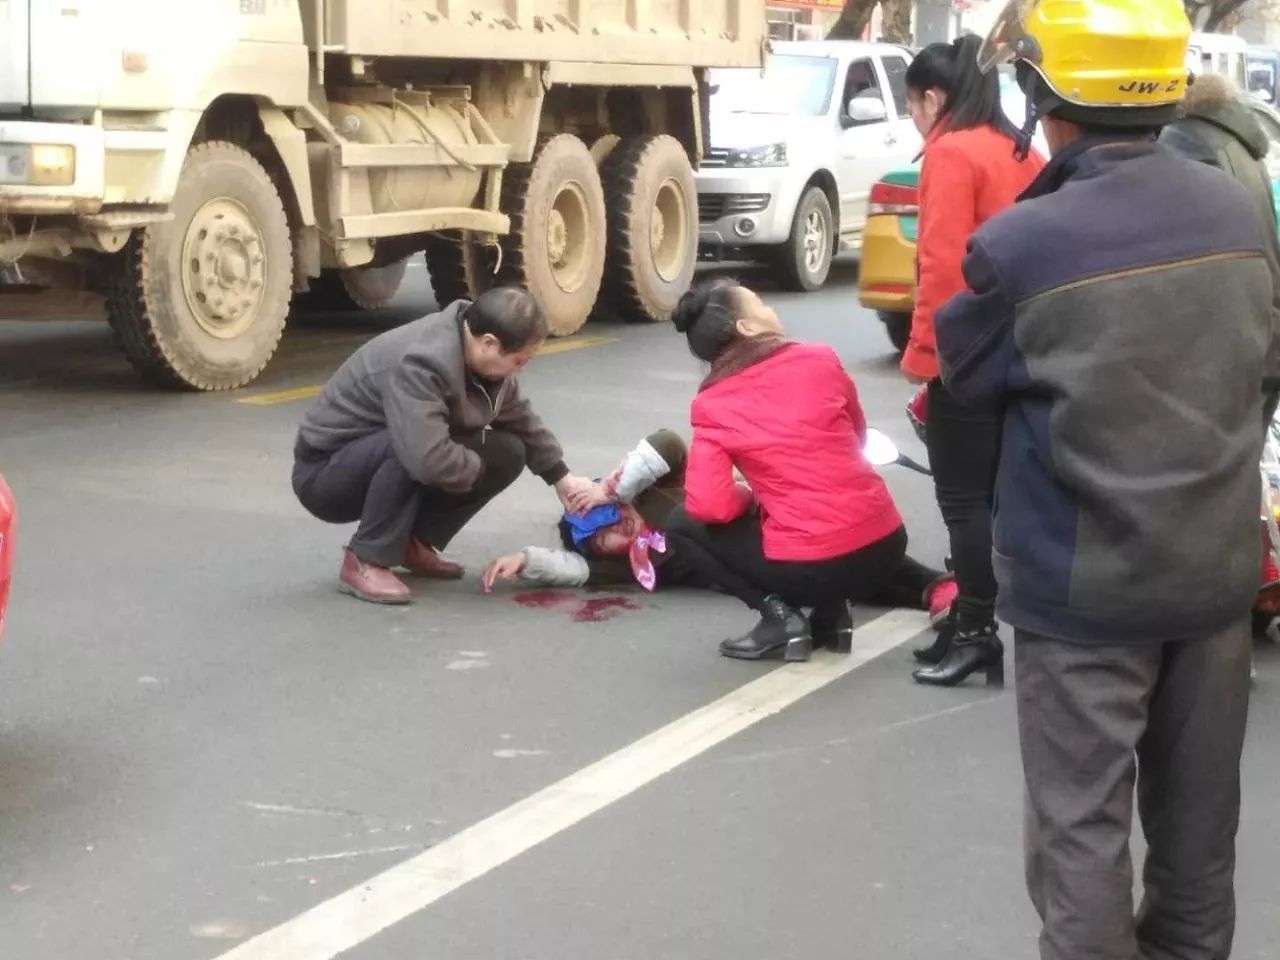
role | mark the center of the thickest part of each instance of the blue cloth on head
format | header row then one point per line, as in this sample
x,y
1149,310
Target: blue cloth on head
x,y
597,518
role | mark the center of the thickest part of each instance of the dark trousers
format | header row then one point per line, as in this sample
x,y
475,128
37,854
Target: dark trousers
x,y
732,557
365,481
964,450
1094,721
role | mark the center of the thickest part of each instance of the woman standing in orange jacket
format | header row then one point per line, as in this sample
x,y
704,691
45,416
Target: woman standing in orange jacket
x,y
976,163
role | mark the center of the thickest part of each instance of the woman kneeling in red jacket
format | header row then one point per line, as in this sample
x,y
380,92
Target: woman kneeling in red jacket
x,y
814,526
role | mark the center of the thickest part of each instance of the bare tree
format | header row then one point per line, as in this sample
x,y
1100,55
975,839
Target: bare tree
x,y
853,20
897,20
857,14
1211,15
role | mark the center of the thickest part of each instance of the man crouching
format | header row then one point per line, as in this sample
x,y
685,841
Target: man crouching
x,y
418,430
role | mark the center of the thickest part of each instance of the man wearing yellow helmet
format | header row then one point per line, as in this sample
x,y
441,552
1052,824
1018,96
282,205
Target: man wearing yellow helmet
x,y
1121,312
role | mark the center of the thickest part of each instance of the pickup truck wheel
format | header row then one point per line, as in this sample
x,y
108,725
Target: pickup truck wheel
x,y
201,301
898,326
356,288
805,260
460,268
652,203
557,240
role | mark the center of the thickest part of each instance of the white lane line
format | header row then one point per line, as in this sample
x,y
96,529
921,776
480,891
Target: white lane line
x,y
361,912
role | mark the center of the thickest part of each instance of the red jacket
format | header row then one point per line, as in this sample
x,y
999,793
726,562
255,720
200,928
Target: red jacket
x,y
793,426
969,176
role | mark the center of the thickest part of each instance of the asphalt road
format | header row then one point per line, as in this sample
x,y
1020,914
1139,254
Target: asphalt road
x,y
200,739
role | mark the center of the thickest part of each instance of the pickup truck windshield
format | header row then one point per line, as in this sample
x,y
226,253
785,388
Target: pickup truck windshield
x,y
790,85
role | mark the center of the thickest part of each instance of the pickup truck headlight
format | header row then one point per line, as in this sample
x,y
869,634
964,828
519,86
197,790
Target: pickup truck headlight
x,y
37,164
772,155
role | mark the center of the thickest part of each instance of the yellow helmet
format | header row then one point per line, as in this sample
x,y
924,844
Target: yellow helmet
x,y
1113,62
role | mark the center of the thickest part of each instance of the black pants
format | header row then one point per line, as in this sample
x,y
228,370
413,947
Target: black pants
x,y
964,450
1093,721
365,481
732,557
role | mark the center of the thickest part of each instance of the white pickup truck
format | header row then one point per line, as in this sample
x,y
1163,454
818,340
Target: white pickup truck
x,y
795,150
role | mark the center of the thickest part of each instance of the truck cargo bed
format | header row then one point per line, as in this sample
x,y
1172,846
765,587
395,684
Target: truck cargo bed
x,y
665,32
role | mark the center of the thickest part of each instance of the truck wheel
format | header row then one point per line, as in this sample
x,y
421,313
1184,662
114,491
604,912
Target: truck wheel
x,y
898,326
805,260
356,288
652,203
201,300
557,240
460,268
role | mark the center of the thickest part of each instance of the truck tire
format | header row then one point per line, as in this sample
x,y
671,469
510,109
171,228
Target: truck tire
x,y
805,259
200,301
356,288
460,268
557,241
653,229
898,327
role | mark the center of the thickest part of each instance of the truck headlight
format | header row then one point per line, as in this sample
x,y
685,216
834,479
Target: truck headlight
x,y
38,164
771,155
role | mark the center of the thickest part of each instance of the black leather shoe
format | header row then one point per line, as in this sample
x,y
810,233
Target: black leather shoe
x,y
832,627
780,629
933,654
969,653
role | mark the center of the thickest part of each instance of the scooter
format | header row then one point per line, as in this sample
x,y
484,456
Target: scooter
x,y
880,451
1267,605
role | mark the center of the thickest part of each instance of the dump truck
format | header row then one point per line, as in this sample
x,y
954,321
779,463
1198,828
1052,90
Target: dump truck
x,y
198,164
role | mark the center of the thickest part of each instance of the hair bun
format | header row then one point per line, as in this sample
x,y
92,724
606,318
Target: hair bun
x,y
689,309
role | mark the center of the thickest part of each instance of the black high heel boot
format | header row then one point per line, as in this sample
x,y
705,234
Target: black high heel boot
x,y
780,628
832,627
934,654
969,653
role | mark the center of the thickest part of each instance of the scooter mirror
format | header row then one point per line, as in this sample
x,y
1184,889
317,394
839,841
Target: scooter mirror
x,y
879,450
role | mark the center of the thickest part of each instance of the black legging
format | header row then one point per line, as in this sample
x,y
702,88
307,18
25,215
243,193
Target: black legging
x,y
964,451
732,557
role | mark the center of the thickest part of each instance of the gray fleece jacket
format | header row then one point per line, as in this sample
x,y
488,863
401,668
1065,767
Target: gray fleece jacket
x,y
414,383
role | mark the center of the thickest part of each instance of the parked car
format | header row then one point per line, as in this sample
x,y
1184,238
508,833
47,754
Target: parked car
x,y
8,514
795,150
887,276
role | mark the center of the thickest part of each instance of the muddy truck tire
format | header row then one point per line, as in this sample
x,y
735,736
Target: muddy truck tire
x,y
460,267
355,288
200,301
556,245
653,229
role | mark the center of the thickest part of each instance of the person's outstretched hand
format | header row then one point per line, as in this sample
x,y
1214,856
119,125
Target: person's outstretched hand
x,y
578,494
504,568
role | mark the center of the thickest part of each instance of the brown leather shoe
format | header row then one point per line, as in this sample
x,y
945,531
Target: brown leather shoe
x,y
371,582
422,559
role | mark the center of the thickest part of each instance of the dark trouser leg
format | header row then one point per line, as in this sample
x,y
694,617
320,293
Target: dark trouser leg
x,y
365,481
704,548
441,515
1081,712
732,556
910,580
1189,797
964,448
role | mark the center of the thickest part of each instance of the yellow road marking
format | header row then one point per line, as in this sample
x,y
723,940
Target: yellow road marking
x,y
283,396
304,393
564,346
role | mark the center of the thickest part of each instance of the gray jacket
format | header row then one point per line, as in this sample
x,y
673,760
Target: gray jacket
x,y
1219,129
413,382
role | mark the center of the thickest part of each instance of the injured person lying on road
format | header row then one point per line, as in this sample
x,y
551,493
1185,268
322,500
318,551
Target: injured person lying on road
x,y
622,540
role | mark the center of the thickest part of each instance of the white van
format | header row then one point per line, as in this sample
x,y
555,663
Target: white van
x,y
1219,53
